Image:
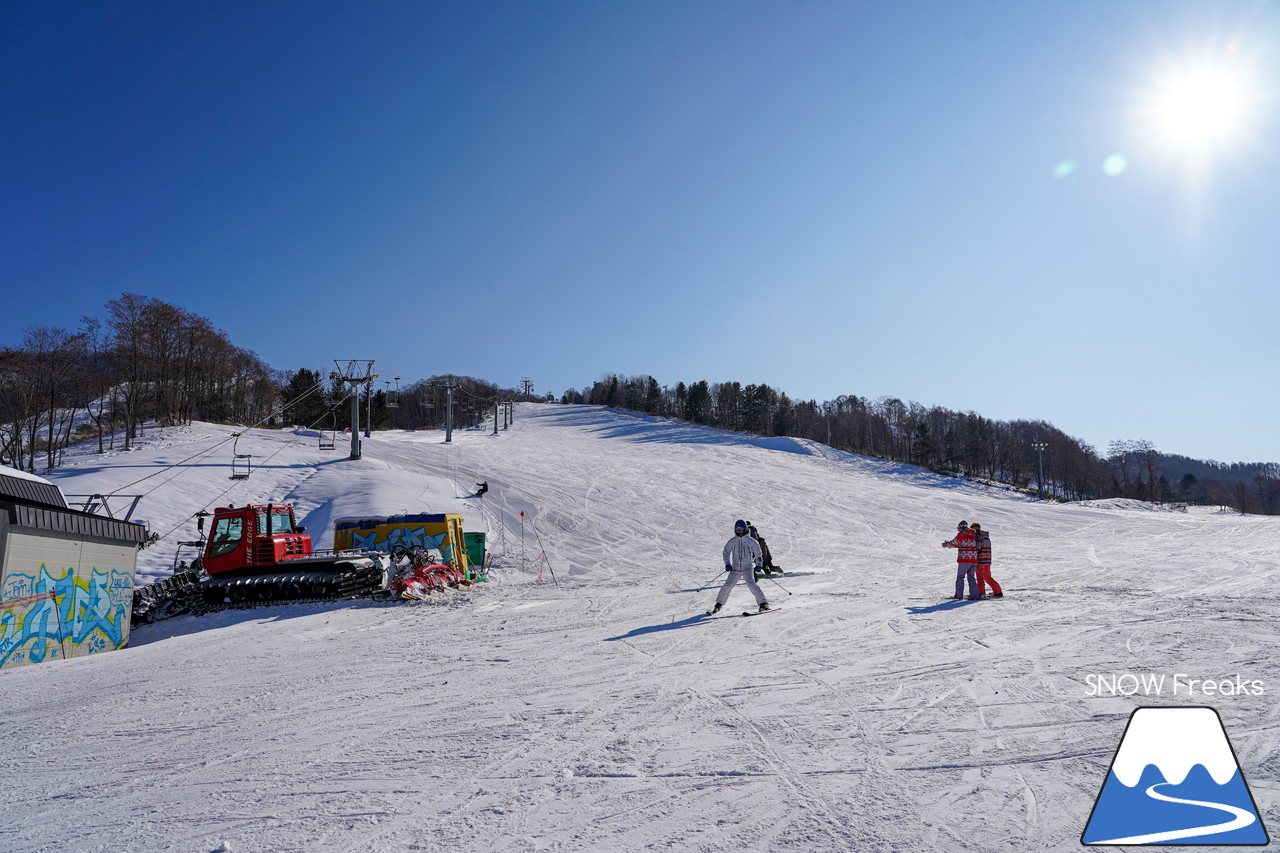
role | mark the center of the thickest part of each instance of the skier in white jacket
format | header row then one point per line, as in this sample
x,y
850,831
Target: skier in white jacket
x,y
741,558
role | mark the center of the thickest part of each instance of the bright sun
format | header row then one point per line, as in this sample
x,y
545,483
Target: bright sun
x,y
1201,108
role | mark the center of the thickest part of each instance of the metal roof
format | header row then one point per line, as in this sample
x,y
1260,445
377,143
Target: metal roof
x,y
29,489
70,521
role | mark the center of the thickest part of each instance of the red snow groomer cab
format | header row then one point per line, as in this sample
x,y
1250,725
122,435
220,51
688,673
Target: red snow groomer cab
x,y
244,539
257,554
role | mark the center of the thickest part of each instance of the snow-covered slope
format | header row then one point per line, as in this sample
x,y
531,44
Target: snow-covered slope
x,y
604,713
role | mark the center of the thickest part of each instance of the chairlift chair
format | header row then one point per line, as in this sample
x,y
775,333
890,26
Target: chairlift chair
x,y
241,465
329,435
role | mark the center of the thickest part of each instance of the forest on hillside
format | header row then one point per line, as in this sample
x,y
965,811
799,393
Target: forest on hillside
x,y
962,443
430,403
146,361
150,362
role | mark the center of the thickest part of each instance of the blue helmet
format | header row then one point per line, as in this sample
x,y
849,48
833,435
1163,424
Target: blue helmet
x,y
740,527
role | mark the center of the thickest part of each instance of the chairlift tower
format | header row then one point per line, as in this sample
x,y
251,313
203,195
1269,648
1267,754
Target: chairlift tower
x,y
448,418
355,372
1040,448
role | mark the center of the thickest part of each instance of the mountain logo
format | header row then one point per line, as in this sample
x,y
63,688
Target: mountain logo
x,y
1175,780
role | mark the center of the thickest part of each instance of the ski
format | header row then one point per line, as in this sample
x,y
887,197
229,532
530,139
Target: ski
x,y
760,576
760,612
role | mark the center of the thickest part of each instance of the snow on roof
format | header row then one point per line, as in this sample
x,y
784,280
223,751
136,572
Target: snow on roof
x,y
6,471
28,488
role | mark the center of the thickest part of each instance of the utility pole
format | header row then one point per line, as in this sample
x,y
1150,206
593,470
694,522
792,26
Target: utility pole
x,y
355,372
526,385
448,411
1040,448
495,416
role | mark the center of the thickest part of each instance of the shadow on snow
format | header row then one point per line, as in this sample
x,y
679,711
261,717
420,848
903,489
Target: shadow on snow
x,y
688,622
949,604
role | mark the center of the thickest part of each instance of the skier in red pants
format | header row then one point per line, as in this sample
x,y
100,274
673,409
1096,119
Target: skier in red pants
x,y
966,560
984,563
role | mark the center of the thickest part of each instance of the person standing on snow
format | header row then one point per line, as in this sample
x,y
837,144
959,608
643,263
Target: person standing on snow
x,y
766,559
966,560
984,563
741,558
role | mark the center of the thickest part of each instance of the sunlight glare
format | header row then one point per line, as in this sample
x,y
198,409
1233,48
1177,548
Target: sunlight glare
x,y
1200,108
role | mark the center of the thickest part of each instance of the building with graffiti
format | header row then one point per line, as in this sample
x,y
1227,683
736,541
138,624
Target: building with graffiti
x,y
66,577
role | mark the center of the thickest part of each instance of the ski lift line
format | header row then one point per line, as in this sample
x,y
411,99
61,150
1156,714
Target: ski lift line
x,y
331,412
474,396
235,483
224,492
189,459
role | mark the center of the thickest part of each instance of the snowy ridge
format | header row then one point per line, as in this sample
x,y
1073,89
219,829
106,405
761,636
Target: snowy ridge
x,y
1174,740
1125,504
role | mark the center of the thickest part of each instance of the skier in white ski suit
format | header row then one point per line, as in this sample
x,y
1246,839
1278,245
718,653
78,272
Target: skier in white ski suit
x,y
742,557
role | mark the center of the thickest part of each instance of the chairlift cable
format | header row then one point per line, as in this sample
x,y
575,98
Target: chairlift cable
x,y
220,495
209,450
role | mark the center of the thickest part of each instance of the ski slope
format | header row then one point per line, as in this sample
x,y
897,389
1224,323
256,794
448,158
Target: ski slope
x,y
600,711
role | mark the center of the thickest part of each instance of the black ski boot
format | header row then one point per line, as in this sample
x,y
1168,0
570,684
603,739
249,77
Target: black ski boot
x,y
714,610
764,605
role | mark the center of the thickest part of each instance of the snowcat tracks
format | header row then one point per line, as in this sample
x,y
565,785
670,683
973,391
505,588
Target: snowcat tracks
x,y
284,587
181,594
168,597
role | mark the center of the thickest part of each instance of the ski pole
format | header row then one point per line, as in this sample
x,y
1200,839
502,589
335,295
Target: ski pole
x,y
708,583
778,585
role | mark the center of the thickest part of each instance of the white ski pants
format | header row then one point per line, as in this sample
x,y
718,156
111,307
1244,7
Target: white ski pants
x,y
748,577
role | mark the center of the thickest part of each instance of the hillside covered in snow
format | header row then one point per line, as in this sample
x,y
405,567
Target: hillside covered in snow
x,y
600,709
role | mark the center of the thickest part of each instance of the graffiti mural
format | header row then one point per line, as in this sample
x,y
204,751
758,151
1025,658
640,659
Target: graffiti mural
x,y
436,532
43,617
399,537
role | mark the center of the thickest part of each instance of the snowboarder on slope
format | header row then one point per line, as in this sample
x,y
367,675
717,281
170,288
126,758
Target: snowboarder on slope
x,y
741,558
984,563
766,559
484,487
966,560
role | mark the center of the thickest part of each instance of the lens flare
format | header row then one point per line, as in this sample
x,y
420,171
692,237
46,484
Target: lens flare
x,y
1115,165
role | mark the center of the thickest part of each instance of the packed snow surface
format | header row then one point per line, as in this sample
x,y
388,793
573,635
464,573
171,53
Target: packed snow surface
x,y
600,710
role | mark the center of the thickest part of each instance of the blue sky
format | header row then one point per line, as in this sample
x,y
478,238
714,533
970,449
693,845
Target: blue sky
x,y
903,199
